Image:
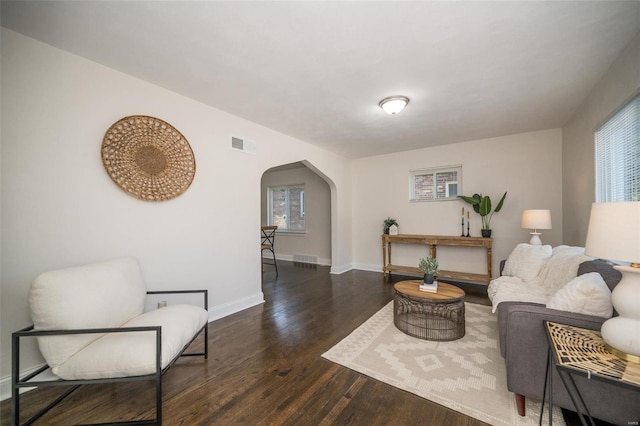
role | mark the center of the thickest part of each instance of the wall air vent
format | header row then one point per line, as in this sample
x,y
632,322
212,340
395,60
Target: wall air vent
x,y
303,258
243,145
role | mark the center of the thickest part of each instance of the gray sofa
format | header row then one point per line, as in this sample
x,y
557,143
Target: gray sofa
x,y
524,346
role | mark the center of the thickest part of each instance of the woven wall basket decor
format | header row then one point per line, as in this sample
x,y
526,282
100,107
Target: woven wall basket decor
x,y
148,158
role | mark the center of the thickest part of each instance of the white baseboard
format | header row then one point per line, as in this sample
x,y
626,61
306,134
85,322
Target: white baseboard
x,y
341,269
5,383
215,313
367,267
227,309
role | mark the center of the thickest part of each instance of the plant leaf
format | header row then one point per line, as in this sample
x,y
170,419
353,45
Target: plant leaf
x,y
499,206
470,200
485,206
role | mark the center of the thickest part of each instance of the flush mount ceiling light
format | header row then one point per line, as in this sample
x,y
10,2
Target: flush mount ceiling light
x,y
394,104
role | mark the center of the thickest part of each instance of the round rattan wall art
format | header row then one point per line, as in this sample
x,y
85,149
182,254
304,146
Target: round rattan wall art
x,y
148,158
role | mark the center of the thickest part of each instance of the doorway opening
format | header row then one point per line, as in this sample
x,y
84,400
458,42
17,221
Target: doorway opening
x,y
297,198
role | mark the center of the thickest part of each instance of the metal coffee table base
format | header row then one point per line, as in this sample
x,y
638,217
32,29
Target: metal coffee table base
x,y
429,319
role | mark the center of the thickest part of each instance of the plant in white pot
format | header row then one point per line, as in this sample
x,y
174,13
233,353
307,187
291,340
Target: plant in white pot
x,y
429,267
388,223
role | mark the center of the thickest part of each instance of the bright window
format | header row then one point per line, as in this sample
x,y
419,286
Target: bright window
x,y
617,153
440,183
286,207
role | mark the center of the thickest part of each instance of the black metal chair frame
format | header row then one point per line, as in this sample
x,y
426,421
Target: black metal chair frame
x,y
268,239
29,382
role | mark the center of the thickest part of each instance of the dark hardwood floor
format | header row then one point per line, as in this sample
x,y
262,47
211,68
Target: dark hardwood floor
x,y
265,366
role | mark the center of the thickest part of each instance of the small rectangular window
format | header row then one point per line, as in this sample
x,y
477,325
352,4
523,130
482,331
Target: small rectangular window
x,y
441,183
452,189
617,156
286,207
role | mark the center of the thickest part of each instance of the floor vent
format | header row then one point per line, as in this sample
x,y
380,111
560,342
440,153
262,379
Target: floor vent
x,y
303,258
243,145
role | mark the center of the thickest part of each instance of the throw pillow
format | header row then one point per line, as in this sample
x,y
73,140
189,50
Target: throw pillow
x,y
526,260
587,294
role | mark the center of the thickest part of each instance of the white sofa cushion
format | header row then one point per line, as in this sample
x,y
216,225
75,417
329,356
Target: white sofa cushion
x,y
587,294
526,260
133,353
106,294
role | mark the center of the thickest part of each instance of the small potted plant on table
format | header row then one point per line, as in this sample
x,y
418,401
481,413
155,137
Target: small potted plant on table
x,y
388,223
429,266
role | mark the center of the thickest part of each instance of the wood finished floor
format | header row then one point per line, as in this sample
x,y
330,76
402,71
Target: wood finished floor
x,y
265,366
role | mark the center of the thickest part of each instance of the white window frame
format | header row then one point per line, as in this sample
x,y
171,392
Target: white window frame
x,y
413,174
617,155
448,189
270,191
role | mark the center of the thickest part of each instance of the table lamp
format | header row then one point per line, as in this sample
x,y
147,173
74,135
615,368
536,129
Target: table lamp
x,y
614,234
536,219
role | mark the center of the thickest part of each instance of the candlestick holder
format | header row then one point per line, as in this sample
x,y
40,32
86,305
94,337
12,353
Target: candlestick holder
x,y
462,235
468,234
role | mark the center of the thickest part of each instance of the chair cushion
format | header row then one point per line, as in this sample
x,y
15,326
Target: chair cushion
x,y
106,294
587,294
526,260
133,353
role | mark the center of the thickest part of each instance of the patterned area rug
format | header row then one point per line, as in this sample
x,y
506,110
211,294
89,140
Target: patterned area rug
x,y
467,375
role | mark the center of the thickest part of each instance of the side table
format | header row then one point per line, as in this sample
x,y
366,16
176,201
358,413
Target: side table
x,y
582,352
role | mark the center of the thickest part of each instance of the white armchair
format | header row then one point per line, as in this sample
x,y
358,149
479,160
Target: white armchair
x,y
91,328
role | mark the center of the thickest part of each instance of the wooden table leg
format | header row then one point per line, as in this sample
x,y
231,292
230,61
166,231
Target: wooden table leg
x,y
384,258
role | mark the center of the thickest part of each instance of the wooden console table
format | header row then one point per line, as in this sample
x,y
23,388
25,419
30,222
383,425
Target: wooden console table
x,y
433,241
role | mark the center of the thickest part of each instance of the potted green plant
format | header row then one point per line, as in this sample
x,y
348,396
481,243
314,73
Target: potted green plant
x,y
388,222
429,267
482,205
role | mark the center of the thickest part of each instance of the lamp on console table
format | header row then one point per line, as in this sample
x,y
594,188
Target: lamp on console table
x,y
614,234
536,219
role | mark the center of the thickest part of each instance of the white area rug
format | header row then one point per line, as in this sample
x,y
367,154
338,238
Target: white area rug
x,y
467,375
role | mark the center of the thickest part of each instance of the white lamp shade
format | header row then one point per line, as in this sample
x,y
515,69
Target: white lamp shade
x,y
394,104
536,219
614,231
614,234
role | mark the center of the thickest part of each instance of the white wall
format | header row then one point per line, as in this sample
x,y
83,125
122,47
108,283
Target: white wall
x,y
59,207
527,166
618,86
316,241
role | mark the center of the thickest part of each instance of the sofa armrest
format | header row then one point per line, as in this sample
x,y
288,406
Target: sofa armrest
x,y
503,316
526,345
31,332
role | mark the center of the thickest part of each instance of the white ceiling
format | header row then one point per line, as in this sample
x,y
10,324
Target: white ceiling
x,y
317,70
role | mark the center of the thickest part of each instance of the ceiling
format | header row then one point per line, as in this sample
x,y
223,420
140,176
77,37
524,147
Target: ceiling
x,y
317,70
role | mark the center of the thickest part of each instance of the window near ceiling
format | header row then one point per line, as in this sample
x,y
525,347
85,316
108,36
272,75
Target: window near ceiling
x,y
286,207
441,183
617,156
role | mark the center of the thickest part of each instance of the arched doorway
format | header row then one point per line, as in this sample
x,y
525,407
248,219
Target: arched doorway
x,y
297,198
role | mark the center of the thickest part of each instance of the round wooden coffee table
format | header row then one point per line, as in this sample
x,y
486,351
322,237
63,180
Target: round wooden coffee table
x,y
429,316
